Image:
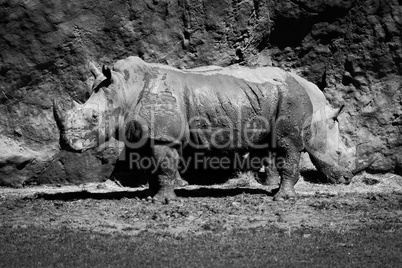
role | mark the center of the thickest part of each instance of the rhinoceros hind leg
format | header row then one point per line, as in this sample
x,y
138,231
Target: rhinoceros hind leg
x,y
166,175
290,172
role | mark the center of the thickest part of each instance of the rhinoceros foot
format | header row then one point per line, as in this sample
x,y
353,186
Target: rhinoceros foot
x,y
164,196
179,182
285,194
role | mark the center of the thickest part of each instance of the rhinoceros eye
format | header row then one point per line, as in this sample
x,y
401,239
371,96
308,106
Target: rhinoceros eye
x,y
95,116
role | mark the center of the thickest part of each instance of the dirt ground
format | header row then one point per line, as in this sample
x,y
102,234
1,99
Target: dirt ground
x,y
235,224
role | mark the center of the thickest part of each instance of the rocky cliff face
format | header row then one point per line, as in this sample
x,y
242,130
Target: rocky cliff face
x,y
350,48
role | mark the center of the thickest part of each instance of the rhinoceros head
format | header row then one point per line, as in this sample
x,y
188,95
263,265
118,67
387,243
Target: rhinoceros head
x,y
85,126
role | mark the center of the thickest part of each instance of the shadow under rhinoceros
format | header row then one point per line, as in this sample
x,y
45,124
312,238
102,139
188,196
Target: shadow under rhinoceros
x,y
83,194
314,176
217,192
126,174
143,194
192,170
130,176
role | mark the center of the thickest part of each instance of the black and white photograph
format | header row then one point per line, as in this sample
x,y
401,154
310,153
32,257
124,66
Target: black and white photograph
x,y
201,133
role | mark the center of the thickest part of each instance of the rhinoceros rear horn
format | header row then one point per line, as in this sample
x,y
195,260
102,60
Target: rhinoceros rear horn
x,y
106,72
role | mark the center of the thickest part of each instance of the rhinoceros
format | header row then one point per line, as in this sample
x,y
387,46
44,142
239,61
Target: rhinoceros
x,y
215,109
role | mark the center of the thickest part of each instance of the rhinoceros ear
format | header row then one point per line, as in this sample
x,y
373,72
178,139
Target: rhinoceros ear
x,y
335,113
341,110
95,71
107,73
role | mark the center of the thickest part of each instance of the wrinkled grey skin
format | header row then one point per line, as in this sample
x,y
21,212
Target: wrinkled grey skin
x,y
209,108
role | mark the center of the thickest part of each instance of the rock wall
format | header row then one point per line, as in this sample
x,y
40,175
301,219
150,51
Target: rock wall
x,y
351,49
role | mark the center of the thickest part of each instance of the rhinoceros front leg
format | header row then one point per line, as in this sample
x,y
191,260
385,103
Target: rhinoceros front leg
x,y
272,177
166,174
290,171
